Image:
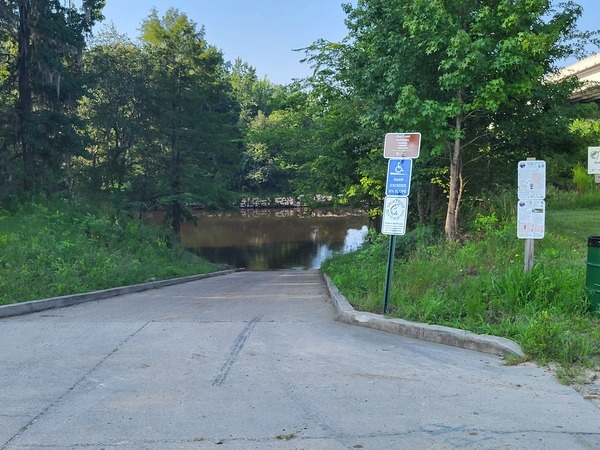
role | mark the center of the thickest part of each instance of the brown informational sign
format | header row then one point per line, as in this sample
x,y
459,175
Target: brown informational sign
x,y
402,145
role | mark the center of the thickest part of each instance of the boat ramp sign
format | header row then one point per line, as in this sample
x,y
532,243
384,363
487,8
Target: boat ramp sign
x,y
402,145
400,149
398,177
395,213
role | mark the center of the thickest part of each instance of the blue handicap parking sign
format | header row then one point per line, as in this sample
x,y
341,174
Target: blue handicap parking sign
x,y
398,177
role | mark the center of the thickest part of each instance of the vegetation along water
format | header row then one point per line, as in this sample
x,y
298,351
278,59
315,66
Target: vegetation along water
x,y
63,248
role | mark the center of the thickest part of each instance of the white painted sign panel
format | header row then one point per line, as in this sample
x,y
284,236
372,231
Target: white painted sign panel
x,y
531,219
395,213
532,180
594,160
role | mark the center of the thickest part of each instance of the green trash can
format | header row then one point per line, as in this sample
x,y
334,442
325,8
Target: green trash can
x,y
592,278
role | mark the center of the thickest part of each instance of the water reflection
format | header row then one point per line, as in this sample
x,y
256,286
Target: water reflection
x,y
267,239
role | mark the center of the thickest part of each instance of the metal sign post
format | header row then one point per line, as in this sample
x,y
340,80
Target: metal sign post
x,y
389,273
395,214
400,149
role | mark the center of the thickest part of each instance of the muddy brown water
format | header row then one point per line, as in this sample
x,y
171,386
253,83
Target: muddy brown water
x,y
274,239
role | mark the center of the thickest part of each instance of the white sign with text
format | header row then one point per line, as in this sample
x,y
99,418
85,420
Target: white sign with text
x,y
395,213
531,219
594,160
532,180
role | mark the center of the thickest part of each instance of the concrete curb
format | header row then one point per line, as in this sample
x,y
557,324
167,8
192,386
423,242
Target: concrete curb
x,y
433,333
18,309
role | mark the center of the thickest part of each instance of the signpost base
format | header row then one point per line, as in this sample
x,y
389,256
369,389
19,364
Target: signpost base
x,y
390,272
529,254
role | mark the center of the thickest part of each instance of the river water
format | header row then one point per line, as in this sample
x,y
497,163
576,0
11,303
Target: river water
x,y
274,238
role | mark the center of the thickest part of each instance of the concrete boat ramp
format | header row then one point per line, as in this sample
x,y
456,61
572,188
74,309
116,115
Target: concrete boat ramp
x,y
257,360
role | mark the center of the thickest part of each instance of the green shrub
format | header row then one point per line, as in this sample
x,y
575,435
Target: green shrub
x,y
582,181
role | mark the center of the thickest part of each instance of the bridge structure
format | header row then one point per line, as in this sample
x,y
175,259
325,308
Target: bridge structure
x,y
588,72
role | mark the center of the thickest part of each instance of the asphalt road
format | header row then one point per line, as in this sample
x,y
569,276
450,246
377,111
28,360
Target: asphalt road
x,y
256,360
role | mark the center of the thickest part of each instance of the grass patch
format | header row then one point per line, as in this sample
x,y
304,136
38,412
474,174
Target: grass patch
x,y
285,437
62,249
479,285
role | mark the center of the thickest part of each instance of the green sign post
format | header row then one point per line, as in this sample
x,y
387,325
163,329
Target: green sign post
x,y
395,204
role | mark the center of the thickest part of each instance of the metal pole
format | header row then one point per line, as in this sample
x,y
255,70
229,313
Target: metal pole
x,y
529,248
390,272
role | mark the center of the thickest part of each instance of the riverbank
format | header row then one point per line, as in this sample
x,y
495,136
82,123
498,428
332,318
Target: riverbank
x,y
284,202
64,248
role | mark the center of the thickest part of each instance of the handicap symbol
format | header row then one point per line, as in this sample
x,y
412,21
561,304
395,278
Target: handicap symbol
x,y
399,168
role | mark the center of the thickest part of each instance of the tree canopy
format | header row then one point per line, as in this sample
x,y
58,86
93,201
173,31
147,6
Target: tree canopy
x,y
459,71
44,42
164,122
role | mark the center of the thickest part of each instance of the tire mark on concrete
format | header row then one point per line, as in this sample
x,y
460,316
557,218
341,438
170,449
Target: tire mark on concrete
x,y
236,348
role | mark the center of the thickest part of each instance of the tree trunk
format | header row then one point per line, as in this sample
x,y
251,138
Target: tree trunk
x,y
25,93
421,207
454,191
176,219
176,207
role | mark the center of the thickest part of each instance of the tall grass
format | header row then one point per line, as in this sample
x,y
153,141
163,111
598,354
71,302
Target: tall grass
x,y
583,181
61,249
480,285
561,200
